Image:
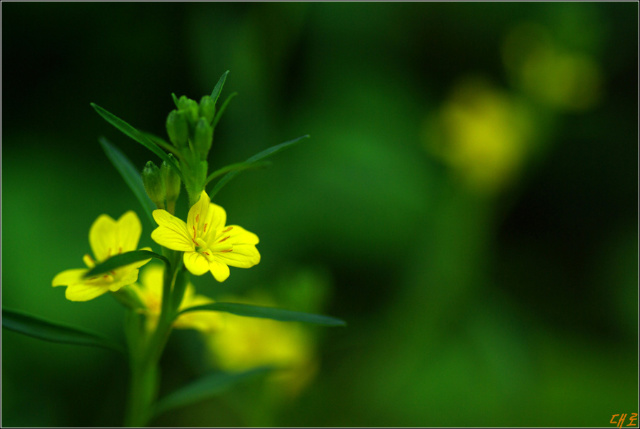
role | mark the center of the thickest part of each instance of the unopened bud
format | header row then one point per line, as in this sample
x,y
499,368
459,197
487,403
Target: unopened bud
x,y
207,108
171,181
203,138
189,108
177,129
154,184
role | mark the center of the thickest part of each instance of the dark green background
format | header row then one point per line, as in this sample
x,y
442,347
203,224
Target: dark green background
x,y
514,309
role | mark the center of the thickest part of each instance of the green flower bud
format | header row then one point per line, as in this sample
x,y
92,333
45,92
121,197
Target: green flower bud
x,y
177,129
207,108
154,184
172,183
190,109
203,138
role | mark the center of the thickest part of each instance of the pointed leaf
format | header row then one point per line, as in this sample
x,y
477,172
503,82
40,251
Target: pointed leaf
x,y
136,135
175,99
122,259
218,88
267,313
130,174
206,387
257,157
223,108
55,332
240,166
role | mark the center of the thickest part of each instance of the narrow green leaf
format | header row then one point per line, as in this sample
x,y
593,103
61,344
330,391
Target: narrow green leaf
x,y
55,332
175,99
130,174
162,143
206,387
267,313
122,259
223,108
240,166
135,135
218,88
257,157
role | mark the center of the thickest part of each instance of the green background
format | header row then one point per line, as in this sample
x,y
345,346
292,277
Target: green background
x,y
515,307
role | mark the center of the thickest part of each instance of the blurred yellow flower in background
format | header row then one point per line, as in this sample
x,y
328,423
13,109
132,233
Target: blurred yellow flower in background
x,y
482,134
150,292
107,238
243,343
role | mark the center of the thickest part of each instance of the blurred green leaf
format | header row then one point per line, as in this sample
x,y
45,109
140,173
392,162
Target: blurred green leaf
x,y
55,332
255,158
175,99
136,135
130,174
206,387
162,143
122,259
240,166
272,313
218,88
223,108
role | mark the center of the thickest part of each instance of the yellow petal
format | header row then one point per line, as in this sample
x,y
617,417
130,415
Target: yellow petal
x,y
69,277
242,256
126,279
195,263
128,233
216,220
151,279
237,235
219,270
102,237
171,232
198,215
84,292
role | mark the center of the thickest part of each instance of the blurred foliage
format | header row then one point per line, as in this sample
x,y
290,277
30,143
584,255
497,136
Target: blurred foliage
x,y
467,202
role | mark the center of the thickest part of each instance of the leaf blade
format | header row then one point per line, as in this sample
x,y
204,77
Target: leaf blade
x,y
240,166
46,330
272,313
205,387
219,113
218,88
130,175
122,259
136,135
257,157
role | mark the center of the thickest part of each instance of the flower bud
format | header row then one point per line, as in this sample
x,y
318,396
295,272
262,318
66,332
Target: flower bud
x,y
207,108
171,182
154,184
189,108
203,138
177,129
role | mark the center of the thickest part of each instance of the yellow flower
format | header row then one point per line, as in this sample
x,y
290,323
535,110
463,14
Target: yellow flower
x,y
150,292
208,244
243,343
107,238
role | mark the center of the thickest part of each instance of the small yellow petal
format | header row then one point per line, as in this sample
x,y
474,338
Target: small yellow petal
x,y
236,235
127,279
219,270
242,256
69,277
129,231
171,232
195,263
198,214
216,220
102,237
84,292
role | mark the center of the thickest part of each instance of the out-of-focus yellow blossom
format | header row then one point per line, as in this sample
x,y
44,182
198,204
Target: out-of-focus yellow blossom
x,y
208,244
483,134
150,291
107,238
247,342
558,77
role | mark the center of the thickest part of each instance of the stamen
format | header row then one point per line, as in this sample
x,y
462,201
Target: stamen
x,y
205,227
205,253
197,218
120,250
228,236
225,251
227,230
194,234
